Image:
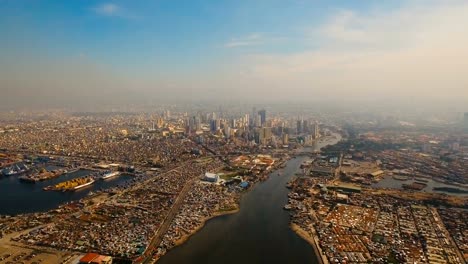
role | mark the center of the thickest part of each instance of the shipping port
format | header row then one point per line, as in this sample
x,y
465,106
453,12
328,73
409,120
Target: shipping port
x,y
15,169
42,175
71,185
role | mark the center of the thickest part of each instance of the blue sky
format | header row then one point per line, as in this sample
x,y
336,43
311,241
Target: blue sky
x,y
138,34
236,48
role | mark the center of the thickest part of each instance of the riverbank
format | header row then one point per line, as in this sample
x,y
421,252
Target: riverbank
x,y
260,212
192,232
314,243
198,207
184,238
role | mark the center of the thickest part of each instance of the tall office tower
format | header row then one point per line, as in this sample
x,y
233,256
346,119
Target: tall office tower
x,y
316,131
198,123
262,114
213,125
258,121
285,139
263,135
227,131
192,124
299,127
247,120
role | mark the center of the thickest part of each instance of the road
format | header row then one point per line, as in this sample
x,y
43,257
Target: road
x,y
157,239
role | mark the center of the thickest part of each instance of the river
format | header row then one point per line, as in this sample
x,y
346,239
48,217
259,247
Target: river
x,y
258,233
17,197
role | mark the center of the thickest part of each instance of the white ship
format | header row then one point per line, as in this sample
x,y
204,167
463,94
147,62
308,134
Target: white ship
x,y
83,185
110,175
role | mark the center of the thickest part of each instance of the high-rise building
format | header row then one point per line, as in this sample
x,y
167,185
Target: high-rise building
x,y
227,131
316,131
305,126
262,114
263,135
299,127
285,139
215,125
258,121
246,120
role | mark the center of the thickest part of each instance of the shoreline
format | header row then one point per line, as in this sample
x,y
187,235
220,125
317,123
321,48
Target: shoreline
x,y
321,259
186,237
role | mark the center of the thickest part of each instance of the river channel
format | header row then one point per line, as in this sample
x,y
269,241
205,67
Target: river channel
x,y
258,233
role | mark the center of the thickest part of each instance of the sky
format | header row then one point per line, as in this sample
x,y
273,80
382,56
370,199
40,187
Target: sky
x,y
99,52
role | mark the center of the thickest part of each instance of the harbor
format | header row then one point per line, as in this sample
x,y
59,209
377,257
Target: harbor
x,y
18,197
42,175
72,185
76,184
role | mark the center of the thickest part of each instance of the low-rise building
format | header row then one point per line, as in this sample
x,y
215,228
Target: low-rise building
x,y
94,258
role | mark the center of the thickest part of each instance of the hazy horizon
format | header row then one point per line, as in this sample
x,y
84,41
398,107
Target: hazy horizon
x,y
90,53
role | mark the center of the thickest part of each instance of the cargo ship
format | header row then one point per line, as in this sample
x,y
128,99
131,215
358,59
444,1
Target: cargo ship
x,y
84,184
110,175
71,185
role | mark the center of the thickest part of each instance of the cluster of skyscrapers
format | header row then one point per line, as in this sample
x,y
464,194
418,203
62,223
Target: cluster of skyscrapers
x,y
254,127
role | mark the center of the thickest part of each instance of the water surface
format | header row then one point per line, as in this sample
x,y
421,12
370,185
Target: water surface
x,y
18,197
258,233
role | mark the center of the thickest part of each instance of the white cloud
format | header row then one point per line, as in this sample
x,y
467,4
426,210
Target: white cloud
x,y
250,40
417,50
108,9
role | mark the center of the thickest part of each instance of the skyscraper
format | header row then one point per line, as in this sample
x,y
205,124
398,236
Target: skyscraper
x,y
285,139
227,131
305,126
262,114
316,131
299,126
258,121
263,135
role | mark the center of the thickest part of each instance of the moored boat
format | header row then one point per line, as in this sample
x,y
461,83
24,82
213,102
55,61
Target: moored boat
x,y
110,175
84,185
